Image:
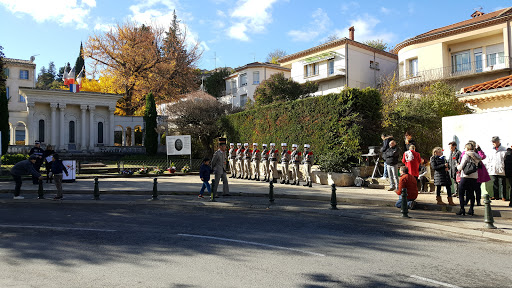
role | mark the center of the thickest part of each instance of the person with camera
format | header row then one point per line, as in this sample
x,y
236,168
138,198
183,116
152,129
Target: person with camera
x,y
468,168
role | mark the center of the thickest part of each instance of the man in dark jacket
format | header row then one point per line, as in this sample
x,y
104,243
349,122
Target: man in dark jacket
x,y
391,159
453,162
508,172
22,168
39,153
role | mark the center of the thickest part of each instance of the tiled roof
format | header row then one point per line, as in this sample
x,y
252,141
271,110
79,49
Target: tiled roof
x,y
493,84
470,24
18,61
255,65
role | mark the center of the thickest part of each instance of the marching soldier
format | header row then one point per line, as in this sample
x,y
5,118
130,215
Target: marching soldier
x,y
272,155
232,160
295,159
265,161
308,162
239,160
247,161
256,158
285,160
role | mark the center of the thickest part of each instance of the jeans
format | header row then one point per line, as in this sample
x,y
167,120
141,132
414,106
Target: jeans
x,y
502,193
17,188
393,176
206,185
398,203
385,174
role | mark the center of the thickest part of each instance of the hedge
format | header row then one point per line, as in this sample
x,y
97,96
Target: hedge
x,y
344,124
11,159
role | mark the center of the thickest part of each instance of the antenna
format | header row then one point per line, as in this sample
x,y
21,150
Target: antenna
x,y
480,8
33,57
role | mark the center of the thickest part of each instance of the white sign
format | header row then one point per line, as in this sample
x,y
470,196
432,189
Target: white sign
x,y
178,145
71,167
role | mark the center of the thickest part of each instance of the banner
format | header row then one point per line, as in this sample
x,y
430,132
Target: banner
x,y
178,145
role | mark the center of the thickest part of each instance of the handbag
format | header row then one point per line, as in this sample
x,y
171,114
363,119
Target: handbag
x,y
470,166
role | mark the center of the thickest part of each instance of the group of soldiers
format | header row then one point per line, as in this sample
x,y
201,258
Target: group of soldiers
x,y
244,163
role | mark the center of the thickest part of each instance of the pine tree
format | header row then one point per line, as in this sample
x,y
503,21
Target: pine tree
x,y
80,62
4,109
150,134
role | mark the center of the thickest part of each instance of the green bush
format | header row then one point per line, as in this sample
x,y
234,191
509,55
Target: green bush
x,y
11,159
340,124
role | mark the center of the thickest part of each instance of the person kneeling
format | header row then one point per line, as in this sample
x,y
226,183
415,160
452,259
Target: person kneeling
x,y
409,182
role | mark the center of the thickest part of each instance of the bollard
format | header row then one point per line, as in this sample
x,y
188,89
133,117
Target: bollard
x,y
271,193
214,191
405,207
155,190
96,189
40,192
488,219
334,202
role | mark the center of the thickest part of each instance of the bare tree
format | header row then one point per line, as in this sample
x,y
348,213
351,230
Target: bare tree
x,y
273,56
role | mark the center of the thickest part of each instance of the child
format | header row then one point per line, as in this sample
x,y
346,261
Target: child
x,y
204,174
57,169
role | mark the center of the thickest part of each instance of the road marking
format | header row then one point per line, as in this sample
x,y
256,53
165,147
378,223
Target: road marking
x,y
252,243
434,281
56,228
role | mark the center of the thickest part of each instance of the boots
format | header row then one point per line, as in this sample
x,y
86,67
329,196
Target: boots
x,y
310,184
294,182
257,179
307,184
439,201
282,181
450,202
298,183
461,212
287,181
264,179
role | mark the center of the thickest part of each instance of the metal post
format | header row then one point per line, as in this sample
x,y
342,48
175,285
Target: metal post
x,y
40,192
334,202
271,193
155,190
405,207
214,191
488,219
96,189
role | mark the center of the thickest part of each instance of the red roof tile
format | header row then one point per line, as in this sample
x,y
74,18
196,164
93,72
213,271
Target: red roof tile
x,y
493,84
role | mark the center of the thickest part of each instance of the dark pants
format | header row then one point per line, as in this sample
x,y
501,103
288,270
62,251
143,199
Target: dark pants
x,y
497,192
37,166
17,188
423,184
467,188
448,190
509,178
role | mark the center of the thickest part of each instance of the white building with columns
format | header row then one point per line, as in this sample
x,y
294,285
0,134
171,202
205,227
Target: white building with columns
x,y
72,122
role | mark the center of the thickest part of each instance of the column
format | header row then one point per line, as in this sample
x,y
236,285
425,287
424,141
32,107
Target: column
x,y
29,127
12,129
83,140
53,125
132,140
62,109
111,123
91,127
123,137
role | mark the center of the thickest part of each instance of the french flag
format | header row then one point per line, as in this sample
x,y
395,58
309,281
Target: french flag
x,y
74,88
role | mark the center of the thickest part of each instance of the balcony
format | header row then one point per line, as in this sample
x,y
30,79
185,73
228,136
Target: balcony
x,y
457,71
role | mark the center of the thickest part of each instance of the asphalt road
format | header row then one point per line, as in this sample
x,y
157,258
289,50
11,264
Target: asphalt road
x,y
215,245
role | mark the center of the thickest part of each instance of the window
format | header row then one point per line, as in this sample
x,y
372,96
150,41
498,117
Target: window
x,y
100,132
6,72
243,79
24,74
495,54
243,100
311,70
461,62
330,67
41,130
413,67
256,77
7,92
479,64
20,137
71,132
22,99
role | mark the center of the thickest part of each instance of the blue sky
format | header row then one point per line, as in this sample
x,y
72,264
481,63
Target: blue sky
x,y
232,33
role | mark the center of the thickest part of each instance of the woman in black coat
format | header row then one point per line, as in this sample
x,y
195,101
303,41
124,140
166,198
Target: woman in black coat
x,y
441,176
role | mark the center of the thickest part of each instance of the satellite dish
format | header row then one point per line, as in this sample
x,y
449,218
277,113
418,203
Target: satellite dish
x,y
32,58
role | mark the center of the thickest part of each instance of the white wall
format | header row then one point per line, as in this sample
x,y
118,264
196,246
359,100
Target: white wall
x,y
360,75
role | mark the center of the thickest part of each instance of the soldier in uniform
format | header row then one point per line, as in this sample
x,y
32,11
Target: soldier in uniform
x,y
247,161
240,160
265,161
272,155
285,160
308,162
295,159
232,160
218,166
256,158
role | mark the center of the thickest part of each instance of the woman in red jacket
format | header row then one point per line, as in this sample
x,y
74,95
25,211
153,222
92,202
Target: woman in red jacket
x,y
412,160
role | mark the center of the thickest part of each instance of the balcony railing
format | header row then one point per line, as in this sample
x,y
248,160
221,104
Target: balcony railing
x,y
229,92
456,71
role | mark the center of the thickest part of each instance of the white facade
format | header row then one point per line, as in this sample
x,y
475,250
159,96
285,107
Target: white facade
x,y
340,63
241,85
